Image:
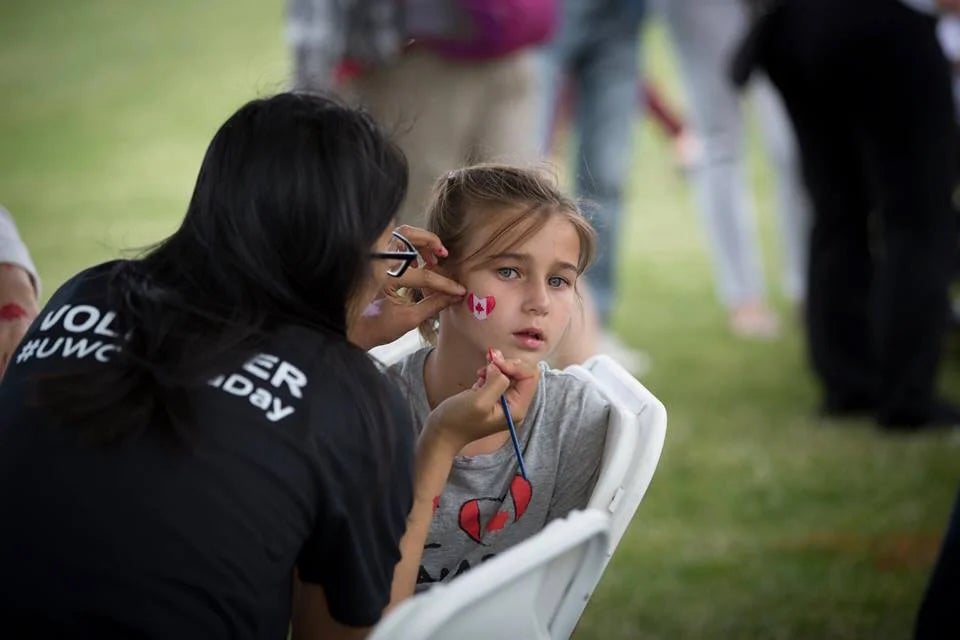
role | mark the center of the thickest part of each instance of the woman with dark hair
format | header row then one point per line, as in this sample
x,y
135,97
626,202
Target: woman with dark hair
x,y
195,443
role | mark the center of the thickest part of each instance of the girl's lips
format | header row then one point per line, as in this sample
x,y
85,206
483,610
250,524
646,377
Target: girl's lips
x,y
529,339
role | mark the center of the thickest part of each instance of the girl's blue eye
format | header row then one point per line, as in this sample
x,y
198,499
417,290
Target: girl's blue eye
x,y
508,273
557,282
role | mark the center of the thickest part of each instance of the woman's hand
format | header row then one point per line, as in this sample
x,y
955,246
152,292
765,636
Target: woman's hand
x,y
523,382
389,316
428,244
476,413
18,308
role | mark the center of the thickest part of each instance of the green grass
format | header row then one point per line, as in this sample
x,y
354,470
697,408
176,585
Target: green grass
x,y
761,522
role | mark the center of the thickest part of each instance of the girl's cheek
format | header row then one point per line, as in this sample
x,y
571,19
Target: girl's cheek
x,y
566,303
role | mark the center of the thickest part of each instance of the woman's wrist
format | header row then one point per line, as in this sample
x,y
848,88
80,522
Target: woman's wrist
x,y
437,442
434,459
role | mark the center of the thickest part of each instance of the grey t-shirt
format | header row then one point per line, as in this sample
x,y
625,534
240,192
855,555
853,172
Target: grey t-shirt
x,y
487,506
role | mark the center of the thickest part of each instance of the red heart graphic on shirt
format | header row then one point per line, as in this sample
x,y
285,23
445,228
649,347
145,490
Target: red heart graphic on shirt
x,y
471,512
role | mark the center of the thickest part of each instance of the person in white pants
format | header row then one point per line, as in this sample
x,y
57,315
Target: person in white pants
x,y
704,35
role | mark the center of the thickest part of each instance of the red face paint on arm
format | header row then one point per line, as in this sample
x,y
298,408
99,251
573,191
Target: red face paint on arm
x,y
12,311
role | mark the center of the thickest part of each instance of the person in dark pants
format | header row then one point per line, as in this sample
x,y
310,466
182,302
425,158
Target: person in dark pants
x,y
868,90
937,617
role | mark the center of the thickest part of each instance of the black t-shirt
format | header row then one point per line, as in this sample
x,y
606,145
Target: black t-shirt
x,y
154,538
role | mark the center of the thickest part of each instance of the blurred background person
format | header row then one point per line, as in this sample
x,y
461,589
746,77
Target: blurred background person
x,y
683,142
868,89
596,49
652,101
19,289
704,34
948,30
455,79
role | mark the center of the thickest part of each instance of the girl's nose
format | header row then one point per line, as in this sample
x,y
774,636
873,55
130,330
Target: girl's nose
x,y
537,298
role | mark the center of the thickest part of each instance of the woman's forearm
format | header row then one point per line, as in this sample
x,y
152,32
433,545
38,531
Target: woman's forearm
x,y
434,459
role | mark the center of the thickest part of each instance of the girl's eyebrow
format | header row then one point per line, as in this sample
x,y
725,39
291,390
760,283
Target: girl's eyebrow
x,y
524,257
519,257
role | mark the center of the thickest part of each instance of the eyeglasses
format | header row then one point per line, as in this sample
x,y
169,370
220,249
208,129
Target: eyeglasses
x,y
400,252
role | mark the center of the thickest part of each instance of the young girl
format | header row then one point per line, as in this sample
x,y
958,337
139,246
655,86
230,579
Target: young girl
x,y
518,246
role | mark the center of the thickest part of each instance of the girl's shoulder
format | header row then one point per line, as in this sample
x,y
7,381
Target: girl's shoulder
x,y
561,385
575,411
409,366
563,378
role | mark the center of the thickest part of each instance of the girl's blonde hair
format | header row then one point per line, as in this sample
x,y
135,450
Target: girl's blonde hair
x,y
464,200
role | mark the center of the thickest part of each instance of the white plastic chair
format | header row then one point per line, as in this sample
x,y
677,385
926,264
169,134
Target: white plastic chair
x,y
635,435
526,592
395,351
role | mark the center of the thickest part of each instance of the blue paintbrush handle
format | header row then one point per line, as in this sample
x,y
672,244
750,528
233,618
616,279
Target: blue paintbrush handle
x,y
513,435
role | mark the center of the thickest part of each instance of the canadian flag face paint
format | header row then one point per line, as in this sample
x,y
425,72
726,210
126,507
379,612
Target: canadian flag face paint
x,y
481,307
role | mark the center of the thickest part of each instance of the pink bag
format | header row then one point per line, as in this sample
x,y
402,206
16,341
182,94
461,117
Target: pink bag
x,y
492,28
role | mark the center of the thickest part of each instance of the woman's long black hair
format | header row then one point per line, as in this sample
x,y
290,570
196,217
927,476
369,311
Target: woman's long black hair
x,y
293,191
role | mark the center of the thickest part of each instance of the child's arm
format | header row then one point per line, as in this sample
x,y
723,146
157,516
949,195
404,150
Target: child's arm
x,y
456,422
664,114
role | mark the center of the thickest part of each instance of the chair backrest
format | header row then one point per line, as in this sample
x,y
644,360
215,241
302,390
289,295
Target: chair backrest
x,y
635,435
521,593
395,351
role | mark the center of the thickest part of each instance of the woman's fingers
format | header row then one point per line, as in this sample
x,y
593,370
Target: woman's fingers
x,y
427,243
430,306
481,378
524,378
386,319
474,413
494,384
514,368
429,279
